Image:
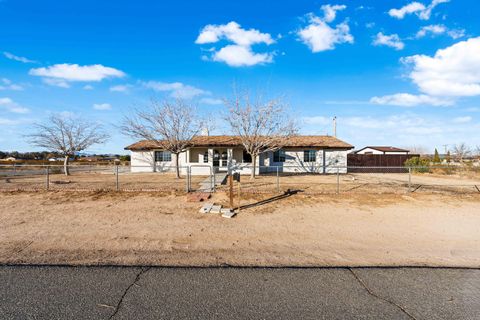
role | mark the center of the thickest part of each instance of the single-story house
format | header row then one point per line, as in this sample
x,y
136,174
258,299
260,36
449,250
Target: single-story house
x,y
381,150
207,154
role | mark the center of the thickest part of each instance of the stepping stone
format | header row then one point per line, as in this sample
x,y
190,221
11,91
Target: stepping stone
x,y
206,208
227,213
198,196
216,209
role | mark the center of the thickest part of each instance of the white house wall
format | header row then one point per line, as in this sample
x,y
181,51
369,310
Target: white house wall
x,y
142,161
374,151
294,161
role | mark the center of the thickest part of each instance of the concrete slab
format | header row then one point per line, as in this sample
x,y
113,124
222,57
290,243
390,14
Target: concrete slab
x,y
227,213
206,208
216,209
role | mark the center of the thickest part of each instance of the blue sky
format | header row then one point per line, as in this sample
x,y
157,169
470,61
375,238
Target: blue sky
x,y
402,73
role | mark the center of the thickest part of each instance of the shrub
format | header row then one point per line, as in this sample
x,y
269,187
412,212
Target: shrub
x,y
418,164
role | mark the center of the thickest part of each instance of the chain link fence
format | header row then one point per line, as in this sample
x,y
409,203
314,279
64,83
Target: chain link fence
x,y
272,179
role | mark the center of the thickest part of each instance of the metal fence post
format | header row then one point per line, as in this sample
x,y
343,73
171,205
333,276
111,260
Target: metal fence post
x,y
116,178
214,182
14,169
278,181
47,178
338,180
409,179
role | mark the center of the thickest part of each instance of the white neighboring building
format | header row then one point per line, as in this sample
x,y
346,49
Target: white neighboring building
x,y
382,150
322,154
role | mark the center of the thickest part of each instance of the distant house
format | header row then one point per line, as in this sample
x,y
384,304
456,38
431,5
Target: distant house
x,y
219,153
9,159
387,150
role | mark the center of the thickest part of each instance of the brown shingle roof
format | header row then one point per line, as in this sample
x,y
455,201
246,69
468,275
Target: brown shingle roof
x,y
231,141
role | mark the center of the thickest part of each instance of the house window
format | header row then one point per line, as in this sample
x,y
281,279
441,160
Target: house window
x,y
205,157
163,156
309,156
247,157
279,156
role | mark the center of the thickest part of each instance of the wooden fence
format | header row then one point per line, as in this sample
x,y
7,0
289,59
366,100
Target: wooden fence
x,y
378,163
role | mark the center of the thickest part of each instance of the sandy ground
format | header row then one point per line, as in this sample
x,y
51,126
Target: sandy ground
x,y
99,228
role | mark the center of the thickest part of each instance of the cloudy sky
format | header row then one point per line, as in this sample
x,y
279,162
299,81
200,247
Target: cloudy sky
x,y
396,73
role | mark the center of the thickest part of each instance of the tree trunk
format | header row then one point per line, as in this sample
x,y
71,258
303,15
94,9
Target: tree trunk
x,y
65,166
177,167
254,166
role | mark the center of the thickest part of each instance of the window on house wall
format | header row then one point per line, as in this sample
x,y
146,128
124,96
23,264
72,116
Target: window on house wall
x,y
309,156
163,156
247,157
279,156
205,157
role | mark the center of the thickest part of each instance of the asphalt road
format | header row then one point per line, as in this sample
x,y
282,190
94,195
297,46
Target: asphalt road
x,y
238,293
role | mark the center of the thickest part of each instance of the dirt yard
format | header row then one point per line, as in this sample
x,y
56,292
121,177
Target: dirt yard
x,y
111,228
314,184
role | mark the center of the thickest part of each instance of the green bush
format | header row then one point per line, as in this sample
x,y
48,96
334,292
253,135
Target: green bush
x,y
418,164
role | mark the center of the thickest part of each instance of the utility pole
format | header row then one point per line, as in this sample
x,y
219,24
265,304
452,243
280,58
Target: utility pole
x,y
335,126
445,146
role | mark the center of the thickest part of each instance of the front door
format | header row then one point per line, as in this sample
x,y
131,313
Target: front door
x,y
220,160
216,158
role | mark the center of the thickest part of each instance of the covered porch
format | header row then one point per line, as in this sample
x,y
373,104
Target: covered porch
x,y
220,159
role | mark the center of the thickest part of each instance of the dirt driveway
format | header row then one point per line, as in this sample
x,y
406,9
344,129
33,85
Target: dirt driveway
x,y
163,229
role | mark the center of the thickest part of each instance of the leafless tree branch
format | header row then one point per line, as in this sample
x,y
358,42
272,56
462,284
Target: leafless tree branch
x,y
261,125
67,135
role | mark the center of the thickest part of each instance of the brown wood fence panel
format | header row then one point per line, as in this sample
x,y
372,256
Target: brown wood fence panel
x,y
391,163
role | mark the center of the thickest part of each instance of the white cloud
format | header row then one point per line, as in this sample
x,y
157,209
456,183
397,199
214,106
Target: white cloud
x,y
453,71
60,74
422,11
9,122
411,100
410,8
433,29
240,53
176,89
464,119
437,29
233,32
392,41
456,33
11,56
319,36
7,84
102,106
120,88
56,82
211,101
88,87
425,14
11,106
239,56
330,12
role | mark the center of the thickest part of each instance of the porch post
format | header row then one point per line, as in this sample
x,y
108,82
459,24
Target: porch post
x,y
229,159
210,158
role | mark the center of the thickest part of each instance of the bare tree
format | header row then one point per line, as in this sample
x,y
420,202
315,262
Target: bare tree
x,y
169,125
477,151
261,126
67,135
417,149
461,151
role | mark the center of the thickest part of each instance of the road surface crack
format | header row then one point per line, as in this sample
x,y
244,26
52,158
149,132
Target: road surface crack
x,y
370,292
119,304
